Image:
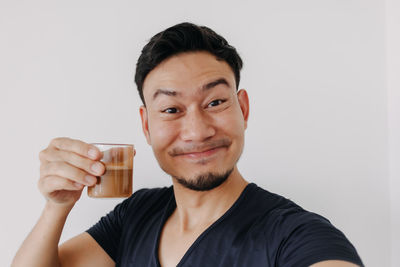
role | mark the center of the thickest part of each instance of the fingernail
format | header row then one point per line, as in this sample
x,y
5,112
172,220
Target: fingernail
x,y
97,167
92,153
90,180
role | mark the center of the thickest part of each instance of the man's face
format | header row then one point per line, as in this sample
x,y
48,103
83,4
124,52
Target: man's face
x,y
194,119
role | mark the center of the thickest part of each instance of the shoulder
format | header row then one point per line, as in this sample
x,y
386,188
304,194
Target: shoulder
x,y
270,205
133,209
147,199
118,225
296,236
277,206
142,201
281,215
274,215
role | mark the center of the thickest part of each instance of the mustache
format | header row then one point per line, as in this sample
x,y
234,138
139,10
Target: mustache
x,y
191,148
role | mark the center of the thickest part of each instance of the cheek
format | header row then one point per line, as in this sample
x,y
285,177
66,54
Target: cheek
x,y
162,134
232,123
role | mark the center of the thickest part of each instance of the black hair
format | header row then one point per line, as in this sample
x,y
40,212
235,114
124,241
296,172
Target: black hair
x,y
184,37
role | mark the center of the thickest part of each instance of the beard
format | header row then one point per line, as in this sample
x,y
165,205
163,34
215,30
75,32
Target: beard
x,y
204,182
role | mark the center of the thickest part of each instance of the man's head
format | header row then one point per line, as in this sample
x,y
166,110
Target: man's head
x,y
193,116
184,37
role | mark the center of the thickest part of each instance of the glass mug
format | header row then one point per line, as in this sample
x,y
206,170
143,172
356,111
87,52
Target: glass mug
x,y
116,182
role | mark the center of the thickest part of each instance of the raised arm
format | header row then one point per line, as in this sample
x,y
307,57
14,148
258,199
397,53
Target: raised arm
x,y
67,166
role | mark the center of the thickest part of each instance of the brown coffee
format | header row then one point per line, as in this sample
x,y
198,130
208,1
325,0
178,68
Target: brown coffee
x,y
115,182
117,179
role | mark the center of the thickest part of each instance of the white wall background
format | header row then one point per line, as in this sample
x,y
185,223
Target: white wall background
x,y
393,86
324,123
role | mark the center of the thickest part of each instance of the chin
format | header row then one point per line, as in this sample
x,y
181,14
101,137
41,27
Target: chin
x,y
204,181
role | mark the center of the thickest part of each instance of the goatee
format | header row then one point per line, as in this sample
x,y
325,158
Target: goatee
x,y
205,182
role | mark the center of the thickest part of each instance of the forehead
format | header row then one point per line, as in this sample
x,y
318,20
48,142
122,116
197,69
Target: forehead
x,y
186,72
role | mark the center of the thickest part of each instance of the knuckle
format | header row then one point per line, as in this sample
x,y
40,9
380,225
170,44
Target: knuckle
x,y
39,183
82,147
53,183
42,155
42,168
80,175
76,160
46,154
72,158
62,156
60,142
50,184
62,169
43,185
53,168
55,141
72,172
65,184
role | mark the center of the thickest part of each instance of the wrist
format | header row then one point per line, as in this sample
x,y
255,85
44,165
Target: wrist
x,y
57,209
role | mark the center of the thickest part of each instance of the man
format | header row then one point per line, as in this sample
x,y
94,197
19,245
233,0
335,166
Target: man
x,y
194,118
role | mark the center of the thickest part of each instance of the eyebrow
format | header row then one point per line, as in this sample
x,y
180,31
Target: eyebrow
x,y
205,87
165,92
215,83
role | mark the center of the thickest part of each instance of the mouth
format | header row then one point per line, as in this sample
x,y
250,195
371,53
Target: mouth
x,y
204,151
202,154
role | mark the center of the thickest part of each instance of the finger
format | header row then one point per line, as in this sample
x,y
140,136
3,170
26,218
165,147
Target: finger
x,y
93,167
76,146
63,169
53,183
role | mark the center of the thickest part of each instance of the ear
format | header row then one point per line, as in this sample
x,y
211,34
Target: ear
x,y
243,99
145,123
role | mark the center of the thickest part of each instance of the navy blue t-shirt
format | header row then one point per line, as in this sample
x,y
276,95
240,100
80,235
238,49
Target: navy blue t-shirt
x,y
260,229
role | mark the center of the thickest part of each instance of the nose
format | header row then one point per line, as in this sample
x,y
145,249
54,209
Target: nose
x,y
196,126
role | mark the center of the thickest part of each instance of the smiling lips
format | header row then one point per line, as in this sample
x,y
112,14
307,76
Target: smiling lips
x,y
202,154
205,150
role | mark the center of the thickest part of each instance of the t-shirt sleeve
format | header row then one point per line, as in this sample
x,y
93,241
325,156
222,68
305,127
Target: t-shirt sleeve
x,y
107,231
310,239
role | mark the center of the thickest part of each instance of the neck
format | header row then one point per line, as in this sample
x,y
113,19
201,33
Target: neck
x,y
199,209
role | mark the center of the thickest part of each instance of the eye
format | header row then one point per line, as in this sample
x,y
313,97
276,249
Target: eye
x,y
216,102
170,110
